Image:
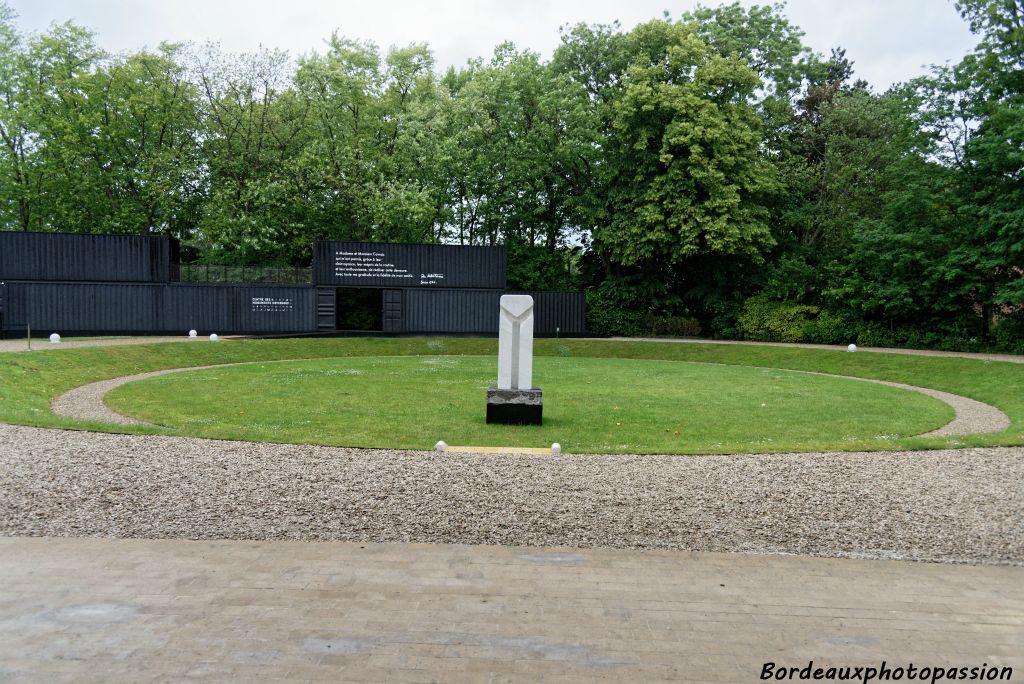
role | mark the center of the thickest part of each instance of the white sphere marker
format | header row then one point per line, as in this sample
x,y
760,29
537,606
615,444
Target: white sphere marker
x,y
852,348
440,446
54,338
556,449
192,333
214,338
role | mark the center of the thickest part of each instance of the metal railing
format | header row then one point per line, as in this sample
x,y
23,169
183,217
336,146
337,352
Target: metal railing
x,y
216,273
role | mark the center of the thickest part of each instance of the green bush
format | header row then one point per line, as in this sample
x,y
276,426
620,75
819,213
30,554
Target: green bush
x,y
830,328
1008,333
674,326
616,310
875,334
769,321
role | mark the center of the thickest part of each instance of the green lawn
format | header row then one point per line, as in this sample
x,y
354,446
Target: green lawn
x,y
29,380
591,405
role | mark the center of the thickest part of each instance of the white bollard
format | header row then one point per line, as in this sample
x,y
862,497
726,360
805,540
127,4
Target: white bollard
x,y
54,338
852,348
440,446
556,449
192,333
214,338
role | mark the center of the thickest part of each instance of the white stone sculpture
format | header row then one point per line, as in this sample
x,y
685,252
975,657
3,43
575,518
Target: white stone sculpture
x,y
515,342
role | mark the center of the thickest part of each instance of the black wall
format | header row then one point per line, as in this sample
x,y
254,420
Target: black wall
x,y
172,308
120,284
79,257
477,311
374,264
158,308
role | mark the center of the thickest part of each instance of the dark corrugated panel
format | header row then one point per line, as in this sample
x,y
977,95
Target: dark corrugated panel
x,y
4,309
85,307
205,308
326,306
562,313
392,317
279,308
450,311
174,308
477,312
239,308
79,257
150,308
375,264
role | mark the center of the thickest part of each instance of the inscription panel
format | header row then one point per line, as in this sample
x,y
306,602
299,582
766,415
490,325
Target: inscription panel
x,y
369,264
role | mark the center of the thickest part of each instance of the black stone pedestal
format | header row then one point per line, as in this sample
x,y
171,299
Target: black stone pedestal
x,y
514,406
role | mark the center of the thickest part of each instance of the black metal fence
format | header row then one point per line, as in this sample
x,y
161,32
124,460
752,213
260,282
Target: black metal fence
x,y
216,273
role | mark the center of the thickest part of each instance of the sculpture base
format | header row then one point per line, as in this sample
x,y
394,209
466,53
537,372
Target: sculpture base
x,y
514,406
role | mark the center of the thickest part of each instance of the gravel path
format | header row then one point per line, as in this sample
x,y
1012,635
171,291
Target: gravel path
x,y
949,506
980,356
86,403
45,345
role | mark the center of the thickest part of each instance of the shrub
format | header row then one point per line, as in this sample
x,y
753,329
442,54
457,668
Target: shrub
x,y
1008,333
615,310
768,321
875,334
830,328
674,326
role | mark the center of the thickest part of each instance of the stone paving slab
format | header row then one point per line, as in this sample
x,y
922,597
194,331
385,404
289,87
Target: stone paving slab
x,y
103,610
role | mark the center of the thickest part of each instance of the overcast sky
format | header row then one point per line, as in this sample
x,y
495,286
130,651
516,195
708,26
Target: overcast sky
x,y
888,40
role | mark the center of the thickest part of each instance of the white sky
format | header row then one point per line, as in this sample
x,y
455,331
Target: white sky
x,y
888,40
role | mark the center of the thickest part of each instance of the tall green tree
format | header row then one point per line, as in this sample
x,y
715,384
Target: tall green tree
x,y
147,144
976,108
251,127
991,81
62,103
18,170
890,203
682,179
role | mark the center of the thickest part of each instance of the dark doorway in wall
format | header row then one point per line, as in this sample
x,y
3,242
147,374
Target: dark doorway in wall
x,y
359,308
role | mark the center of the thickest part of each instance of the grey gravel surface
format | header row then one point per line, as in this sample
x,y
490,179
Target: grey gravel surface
x,y
42,345
972,416
948,506
980,356
85,402
45,345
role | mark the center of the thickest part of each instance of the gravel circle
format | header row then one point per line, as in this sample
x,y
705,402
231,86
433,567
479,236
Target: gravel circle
x,y
86,403
946,506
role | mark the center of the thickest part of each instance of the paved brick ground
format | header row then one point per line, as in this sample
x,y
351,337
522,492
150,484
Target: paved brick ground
x,y
108,610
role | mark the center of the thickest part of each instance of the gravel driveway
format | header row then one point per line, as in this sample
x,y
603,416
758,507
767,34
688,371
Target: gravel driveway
x,y
948,506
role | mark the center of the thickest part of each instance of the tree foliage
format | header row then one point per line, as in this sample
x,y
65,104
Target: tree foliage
x,y
708,166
